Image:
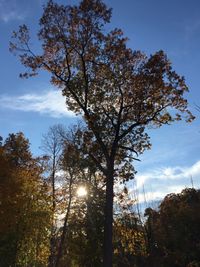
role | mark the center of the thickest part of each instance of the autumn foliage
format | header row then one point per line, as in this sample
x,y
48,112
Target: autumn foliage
x,y
168,237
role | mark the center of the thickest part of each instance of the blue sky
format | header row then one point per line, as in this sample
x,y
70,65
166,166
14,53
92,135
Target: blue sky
x,y
32,105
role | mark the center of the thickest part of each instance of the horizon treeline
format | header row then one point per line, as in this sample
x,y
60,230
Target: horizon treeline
x,y
45,222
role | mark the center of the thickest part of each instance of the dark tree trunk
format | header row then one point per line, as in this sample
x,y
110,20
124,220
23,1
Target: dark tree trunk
x,y
64,233
52,240
53,183
64,230
52,249
108,247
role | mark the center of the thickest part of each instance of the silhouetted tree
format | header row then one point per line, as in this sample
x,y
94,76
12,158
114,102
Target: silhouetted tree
x,y
52,145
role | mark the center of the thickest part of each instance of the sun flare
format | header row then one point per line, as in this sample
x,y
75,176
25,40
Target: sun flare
x,y
81,191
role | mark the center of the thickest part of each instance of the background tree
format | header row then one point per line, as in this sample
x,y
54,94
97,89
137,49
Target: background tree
x,y
52,145
129,235
171,231
175,230
82,223
24,206
118,91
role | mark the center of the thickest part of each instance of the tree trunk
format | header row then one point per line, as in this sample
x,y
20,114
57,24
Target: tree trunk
x,y
108,248
52,240
64,230
52,248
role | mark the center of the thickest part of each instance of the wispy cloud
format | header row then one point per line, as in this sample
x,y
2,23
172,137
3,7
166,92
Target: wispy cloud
x,y
157,183
169,173
50,103
150,197
11,10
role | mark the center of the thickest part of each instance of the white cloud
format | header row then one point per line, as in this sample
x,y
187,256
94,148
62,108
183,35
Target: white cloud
x,y
159,182
166,173
50,102
150,197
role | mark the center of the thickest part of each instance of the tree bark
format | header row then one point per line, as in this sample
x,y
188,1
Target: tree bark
x,y
108,233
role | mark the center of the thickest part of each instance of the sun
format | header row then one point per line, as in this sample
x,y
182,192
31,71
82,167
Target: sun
x,y
81,191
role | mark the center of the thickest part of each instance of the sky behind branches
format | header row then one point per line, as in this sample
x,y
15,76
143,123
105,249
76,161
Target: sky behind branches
x,y
32,105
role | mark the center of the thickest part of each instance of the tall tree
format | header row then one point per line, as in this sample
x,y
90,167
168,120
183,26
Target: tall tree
x,y
52,145
70,161
118,91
